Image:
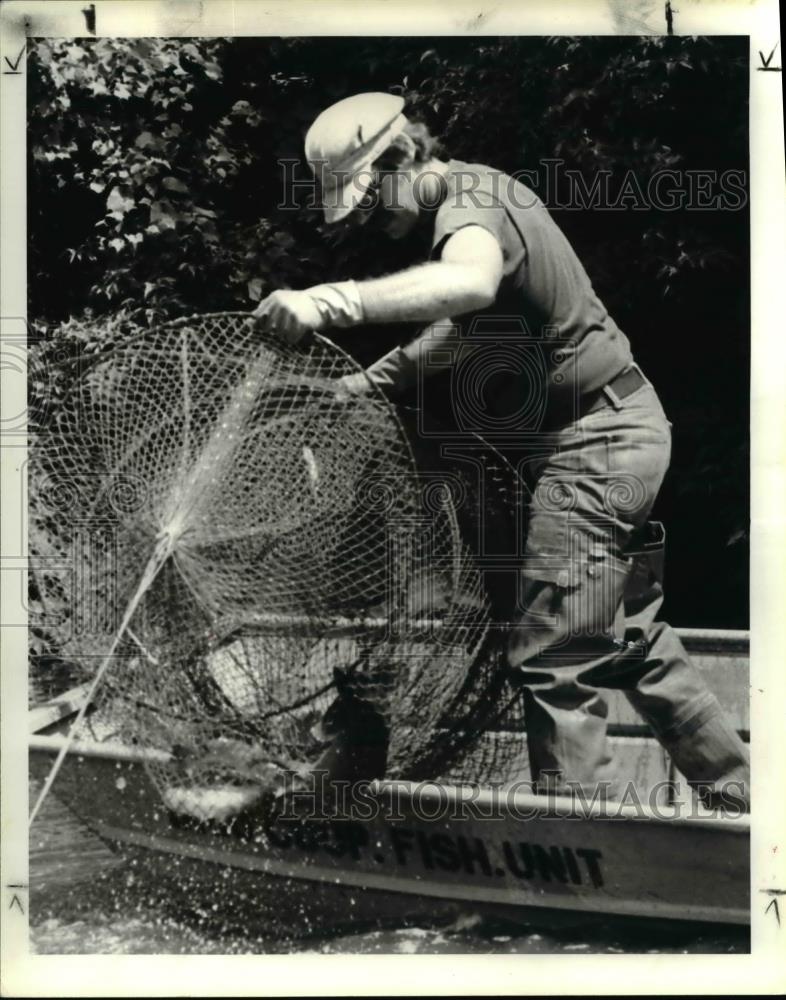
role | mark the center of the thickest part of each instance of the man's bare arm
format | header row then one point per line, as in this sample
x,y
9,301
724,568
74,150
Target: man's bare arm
x,y
464,280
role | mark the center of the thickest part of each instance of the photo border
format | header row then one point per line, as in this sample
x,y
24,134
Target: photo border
x,y
764,970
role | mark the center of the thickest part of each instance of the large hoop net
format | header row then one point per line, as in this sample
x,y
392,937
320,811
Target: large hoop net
x,y
243,544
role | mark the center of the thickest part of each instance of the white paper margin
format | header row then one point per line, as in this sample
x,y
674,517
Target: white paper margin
x,y
764,970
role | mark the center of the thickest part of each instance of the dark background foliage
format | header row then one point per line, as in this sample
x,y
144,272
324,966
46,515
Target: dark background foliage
x,y
155,190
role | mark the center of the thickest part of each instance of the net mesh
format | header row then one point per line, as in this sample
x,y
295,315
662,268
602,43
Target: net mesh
x,y
245,544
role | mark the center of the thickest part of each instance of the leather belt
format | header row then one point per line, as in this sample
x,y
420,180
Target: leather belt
x,y
622,385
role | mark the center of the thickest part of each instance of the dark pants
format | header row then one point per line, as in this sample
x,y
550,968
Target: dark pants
x,y
573,635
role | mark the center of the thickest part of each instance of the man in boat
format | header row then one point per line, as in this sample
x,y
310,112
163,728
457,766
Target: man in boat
x,y
593,469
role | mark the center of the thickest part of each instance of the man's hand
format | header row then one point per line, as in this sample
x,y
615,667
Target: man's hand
x,y
353,386
289,314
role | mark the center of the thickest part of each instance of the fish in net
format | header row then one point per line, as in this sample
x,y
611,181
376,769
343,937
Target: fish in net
x,y
263,581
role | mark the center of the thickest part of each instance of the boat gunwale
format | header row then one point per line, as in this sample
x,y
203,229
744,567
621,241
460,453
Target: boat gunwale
x,y
503,800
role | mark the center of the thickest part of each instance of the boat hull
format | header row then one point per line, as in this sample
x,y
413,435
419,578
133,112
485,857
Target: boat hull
x,y
415,849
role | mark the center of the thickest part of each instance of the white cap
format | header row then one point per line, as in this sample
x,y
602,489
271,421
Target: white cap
x,y
344,141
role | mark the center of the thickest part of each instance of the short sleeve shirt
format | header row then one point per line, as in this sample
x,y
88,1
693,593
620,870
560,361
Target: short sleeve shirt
x,y
545,293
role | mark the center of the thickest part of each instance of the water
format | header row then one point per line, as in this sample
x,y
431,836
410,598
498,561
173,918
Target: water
x,y
85,900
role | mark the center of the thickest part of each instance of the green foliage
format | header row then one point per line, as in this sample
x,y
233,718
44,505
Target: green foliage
x,y
156,189
154,173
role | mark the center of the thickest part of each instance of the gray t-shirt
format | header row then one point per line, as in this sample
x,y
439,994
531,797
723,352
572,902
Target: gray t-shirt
x,y
545,292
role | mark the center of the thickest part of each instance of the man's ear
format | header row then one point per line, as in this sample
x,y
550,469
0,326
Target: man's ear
x,y
400,155
408,149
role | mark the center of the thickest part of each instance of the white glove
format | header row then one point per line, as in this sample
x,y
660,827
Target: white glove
x,y
338,303
293,314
